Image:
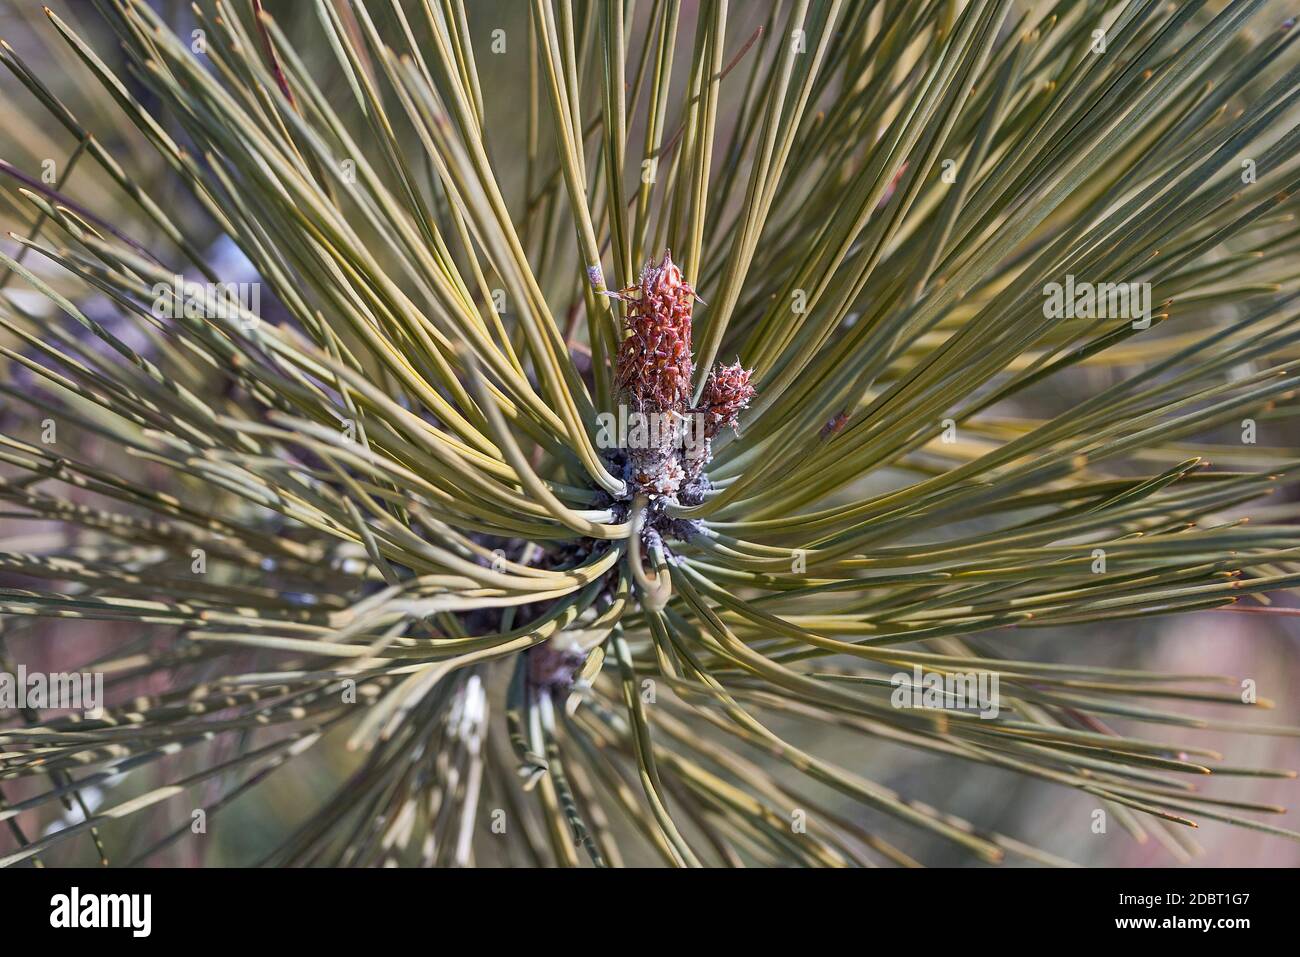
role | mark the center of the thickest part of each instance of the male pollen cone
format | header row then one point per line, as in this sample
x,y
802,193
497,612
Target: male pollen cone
x,y
654,362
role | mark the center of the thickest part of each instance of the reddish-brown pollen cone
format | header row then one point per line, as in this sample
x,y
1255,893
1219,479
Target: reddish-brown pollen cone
x,y
654,361
726,392
654,375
